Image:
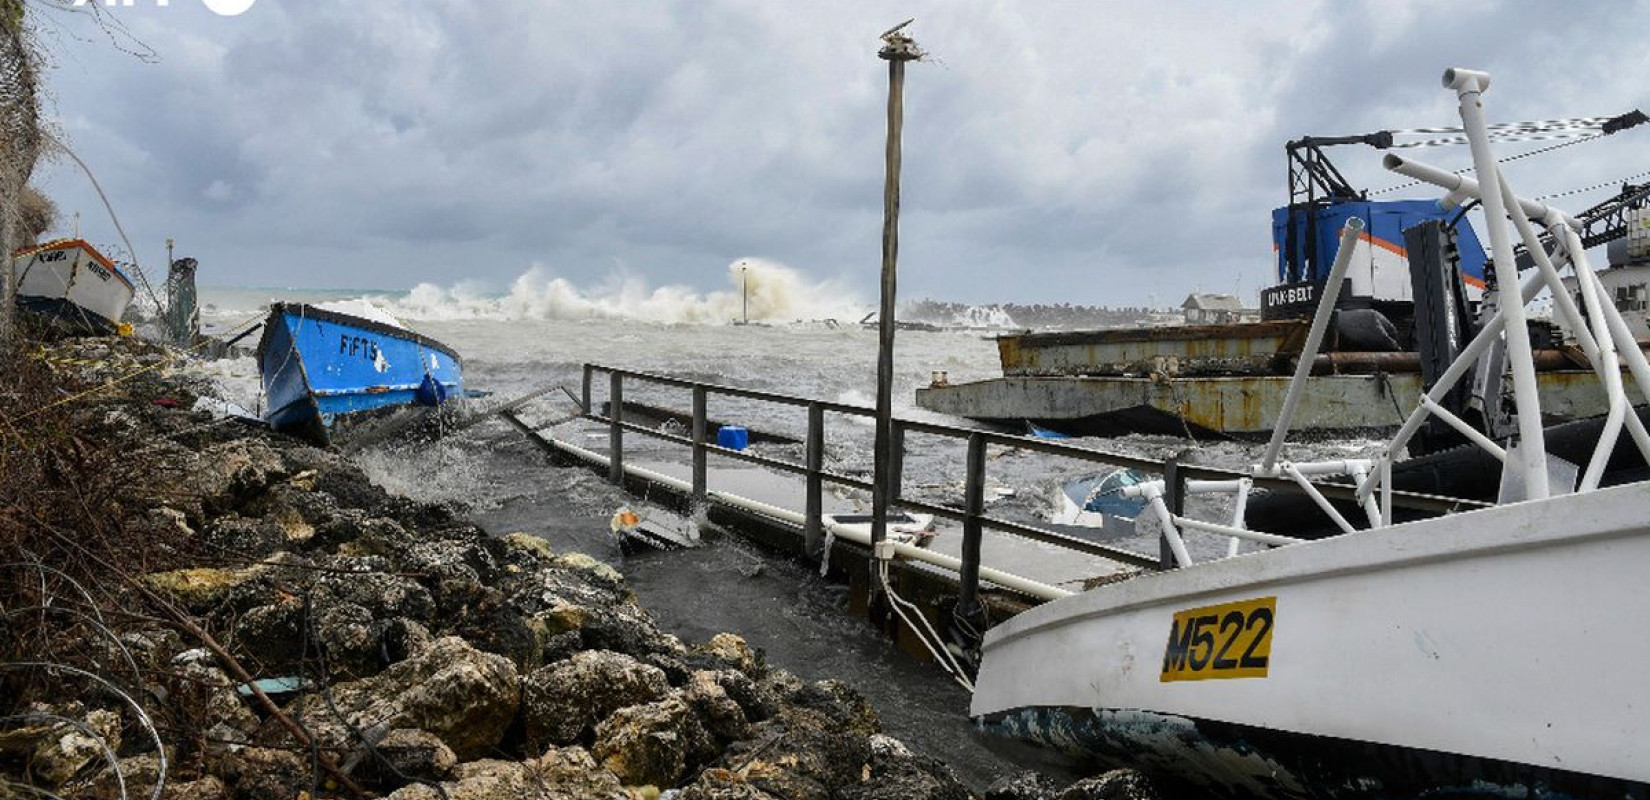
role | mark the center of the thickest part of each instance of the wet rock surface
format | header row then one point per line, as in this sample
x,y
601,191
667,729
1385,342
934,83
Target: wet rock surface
x,y
406,653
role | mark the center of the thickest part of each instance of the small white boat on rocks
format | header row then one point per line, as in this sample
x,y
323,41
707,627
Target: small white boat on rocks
x,y
72,282
1497,652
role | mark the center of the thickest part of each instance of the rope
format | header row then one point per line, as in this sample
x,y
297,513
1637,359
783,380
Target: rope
x,y
1595,187
935,645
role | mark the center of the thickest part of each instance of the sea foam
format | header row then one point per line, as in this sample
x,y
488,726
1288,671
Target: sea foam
x,y
776,293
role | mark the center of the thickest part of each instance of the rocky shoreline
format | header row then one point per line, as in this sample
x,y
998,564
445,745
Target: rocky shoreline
x,y
258,620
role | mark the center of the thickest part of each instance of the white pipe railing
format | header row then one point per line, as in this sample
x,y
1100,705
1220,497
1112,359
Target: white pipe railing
x,y
1460,425
1236,532
1240,504
1603,349
1469,86
1171,533
1461,187
1328,509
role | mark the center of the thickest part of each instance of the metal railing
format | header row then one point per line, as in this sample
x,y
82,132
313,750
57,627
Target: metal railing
x,y
970,512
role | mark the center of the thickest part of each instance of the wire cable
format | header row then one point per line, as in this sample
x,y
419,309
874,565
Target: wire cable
x,y
1537,151
154,298
1597,186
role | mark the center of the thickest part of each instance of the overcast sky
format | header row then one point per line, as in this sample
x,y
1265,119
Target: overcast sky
x,y
1090,152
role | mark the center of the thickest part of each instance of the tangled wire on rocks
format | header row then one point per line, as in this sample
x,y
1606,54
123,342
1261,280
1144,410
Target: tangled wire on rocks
x,y
195,608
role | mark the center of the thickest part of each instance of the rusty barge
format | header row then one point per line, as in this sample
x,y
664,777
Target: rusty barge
x,y
1203,380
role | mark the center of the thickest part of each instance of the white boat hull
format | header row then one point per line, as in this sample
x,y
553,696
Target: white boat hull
x,y
1499,649
70,280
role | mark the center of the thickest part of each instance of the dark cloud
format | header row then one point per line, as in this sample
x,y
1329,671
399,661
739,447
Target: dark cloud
x,y
1069,151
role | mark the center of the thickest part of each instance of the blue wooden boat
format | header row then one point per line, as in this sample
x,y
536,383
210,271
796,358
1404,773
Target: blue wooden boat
x,y
322,365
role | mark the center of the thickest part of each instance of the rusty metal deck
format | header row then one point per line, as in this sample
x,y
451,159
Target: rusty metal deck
x,y
1181,349
1235,406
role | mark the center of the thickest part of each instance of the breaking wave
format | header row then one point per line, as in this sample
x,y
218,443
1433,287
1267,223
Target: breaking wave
x,y
776,293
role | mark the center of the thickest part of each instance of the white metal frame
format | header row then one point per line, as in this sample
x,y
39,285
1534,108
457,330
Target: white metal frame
x,y
1601,333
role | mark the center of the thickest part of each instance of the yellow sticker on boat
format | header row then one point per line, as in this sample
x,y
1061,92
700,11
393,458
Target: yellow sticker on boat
x,y
1231,640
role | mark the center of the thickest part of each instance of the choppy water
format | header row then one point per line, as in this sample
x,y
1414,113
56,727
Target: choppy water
x,y
542,334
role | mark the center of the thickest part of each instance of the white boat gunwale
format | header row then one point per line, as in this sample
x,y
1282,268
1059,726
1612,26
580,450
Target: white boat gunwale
x,y
70,244
1296,563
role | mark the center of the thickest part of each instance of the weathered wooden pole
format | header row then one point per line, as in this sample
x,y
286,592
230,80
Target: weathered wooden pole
x,y
897,48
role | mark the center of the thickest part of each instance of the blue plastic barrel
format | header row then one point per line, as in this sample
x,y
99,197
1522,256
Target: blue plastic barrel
x,y
733,437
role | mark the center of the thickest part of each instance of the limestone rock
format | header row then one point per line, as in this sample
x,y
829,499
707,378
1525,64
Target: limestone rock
x,y
462,695
199,587
375,536
500,629
529,545
759,701
254,537
584,563
349,639
895,773
63,751
722,784
271,634
776,689
1118,784
416,754
652,744
721,715
563,702
733,651
1025,785
371,585
560,774
226,474
627,628
261,773
139,773
348,485
401,638
207,788
466,557
813,748
152,648
842,704
206,700
560,647
561,617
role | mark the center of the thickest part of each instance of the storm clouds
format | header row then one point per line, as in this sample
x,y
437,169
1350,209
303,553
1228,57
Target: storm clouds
x,y
1098,153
